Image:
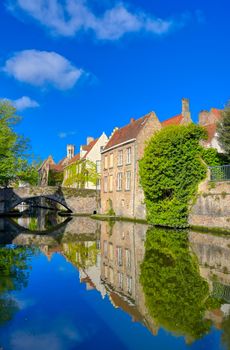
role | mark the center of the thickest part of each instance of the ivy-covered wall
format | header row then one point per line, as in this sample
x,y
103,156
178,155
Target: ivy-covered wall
x,y
173,165
80,173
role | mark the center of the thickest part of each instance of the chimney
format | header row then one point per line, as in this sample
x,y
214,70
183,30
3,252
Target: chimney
x,y
186,110
70,151
89,139
185,106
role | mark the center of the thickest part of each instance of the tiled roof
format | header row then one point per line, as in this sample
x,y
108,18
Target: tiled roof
x,y
127,132
173,121
56,167
72,160
88,147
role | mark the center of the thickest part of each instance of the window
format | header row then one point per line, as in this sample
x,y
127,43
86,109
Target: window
x,y
105,247
119,181
106,162
128,156
111,160
127,258
120,158
111,275
98,166
111,183
129,284
119,256
105,183
106,271
120,280
111,251
128,181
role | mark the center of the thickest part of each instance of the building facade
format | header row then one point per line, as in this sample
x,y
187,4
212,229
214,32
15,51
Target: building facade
x,y
121,192
83,169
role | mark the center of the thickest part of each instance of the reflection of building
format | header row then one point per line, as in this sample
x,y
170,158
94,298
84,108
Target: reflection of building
x,y
213,254
122,251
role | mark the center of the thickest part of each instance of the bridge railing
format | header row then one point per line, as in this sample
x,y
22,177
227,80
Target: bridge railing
x,y
220,173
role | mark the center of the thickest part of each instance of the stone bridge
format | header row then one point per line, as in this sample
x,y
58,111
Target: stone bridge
x,y
77,201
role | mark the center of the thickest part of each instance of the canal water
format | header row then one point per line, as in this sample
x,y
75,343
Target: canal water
x,y
79,283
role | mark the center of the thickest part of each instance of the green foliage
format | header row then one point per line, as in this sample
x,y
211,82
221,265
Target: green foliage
x,y
211,157
110,210
14,148
170,171
82,254
223,130
175,293
13,276
226,332
55,178
80,173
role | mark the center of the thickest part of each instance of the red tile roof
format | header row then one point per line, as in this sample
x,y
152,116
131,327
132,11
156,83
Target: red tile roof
x,y
56,167
173,121
127,132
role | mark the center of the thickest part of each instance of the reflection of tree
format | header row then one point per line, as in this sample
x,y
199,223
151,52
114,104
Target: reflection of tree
x,y
176,295
226,332
82,254
13,276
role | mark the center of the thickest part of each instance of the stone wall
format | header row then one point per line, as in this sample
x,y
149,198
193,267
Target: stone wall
x,y
212,208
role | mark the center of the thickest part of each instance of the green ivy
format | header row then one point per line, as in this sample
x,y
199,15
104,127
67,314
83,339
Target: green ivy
x,y
170,172
81,172
175,294
81,254
55,178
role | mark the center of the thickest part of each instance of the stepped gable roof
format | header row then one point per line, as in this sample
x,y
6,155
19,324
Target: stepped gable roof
x,y
173,121
88,147
127,132
49,159
217,113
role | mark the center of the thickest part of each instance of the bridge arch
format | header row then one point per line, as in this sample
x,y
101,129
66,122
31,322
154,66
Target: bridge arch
x,y
18,201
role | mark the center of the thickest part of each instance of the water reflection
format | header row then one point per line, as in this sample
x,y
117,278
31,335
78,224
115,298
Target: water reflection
x,y
14,277
176,281
38,219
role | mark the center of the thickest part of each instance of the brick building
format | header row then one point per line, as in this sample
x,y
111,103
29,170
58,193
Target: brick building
x,y
120,190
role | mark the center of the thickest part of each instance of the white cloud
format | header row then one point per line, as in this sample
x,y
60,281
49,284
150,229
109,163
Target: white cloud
x,y
69,17
64,134
24,102
41,68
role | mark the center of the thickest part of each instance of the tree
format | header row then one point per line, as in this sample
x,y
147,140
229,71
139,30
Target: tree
x,y
14,276
223,130
14,165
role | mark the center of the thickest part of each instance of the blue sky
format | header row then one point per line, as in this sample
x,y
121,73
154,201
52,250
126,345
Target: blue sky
x,y
76,68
